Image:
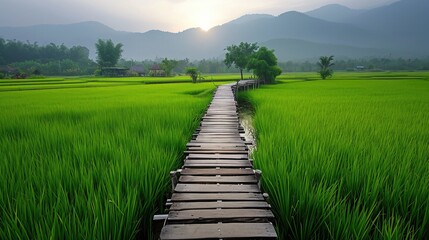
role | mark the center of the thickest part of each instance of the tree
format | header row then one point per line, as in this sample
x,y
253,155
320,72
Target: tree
x,y
168,65
193,73
108,53
240,55
264,65
325,63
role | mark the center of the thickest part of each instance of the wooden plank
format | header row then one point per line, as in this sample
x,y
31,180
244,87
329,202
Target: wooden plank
x,y
208,123
216,188
218,130
219,142
198,144
220,134
214,171
218,163
236,138
214,140
218,156
177,206
216,151
218,179
194,197
218,214
218,231
219,127
220,119
206,148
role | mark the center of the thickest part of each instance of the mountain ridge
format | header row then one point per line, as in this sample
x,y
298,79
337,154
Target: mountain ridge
x,y
351,34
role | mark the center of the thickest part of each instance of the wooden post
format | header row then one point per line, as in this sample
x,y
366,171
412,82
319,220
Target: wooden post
x,y
258,174
174,180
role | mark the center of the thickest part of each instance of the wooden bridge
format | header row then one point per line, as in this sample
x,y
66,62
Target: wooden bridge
x,y
216,195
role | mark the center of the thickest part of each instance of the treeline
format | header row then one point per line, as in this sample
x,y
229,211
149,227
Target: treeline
x,y
32,59
204,66
25,58
373,64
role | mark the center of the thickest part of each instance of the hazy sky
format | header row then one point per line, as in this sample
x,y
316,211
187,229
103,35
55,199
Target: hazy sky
x,y
144,15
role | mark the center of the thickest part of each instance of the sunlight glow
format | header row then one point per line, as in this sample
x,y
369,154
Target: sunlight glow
x,y
204,18
205,26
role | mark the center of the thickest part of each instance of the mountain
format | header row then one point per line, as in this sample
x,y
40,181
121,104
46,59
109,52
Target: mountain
x,y
250,17
335,13
296,49
398,29
403,23
70,34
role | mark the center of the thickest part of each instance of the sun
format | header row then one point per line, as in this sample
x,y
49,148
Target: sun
x,y
205,26
205,20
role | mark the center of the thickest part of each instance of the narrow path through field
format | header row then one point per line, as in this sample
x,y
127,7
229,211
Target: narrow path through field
x,y
216,195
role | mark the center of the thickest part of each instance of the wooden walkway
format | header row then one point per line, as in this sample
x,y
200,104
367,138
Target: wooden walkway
x,y
216,195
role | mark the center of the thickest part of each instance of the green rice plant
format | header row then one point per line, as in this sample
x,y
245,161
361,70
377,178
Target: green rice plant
x,y
345,159
92,163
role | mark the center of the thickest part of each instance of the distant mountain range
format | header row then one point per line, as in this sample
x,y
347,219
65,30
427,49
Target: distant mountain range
x,y
395,30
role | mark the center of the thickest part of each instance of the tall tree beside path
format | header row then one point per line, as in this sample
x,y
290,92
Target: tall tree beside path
x,y
325,64
264,65
240,55
108,54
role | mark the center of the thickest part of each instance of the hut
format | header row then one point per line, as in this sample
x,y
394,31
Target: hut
x,y
139,70
156,71
114,71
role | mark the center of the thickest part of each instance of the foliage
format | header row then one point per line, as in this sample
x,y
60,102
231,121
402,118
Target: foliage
x,y
108,54
64,67
193,73
91,163
168,65
325,63
346,159
240,55
47,60
264,65
12,51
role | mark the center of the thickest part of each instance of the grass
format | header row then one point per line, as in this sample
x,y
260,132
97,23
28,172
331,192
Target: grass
x,y
91,81
346,159
91,163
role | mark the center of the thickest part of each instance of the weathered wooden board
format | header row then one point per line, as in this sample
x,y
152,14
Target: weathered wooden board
x,y
193,197
206,148
218,214
216,188
217,163
218,179
217,156
219,171
199,144
216,151
178,206
219,231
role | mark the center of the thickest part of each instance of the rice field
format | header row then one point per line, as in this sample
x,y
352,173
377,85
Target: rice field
x,y
89,158
44,83
346,158
91,163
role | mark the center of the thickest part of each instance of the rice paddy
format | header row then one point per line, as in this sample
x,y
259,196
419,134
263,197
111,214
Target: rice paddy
x,y
345,159
89,158
92,163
